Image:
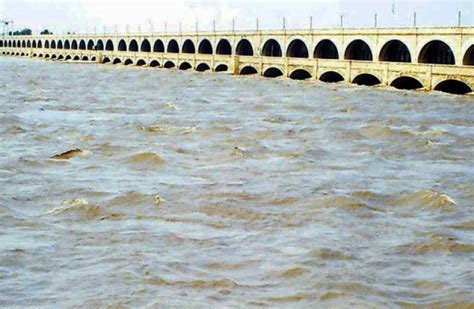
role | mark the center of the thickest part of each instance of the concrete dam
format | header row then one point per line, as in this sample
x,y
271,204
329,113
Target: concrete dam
x,y
431,58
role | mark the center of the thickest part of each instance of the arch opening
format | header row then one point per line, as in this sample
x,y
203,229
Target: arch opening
x,y
326,49
297,49
67,45
203,67
28,44
169,64
271,48
188,47
141,63
205,47
82,45
67,57
76,58
244,48
85,58
395,51
145,46
60,44
109,45
273,73
93,58
453,86
128,62
436,52
53,44
173,47
185,66
406,83
469,56
154,63
122,46
33,44
331,77
366,80
300,74
90,45
248,70
46,44
222,68
133,46
158,47
358,50
74,44
106,60
60,57
99,45
223,48
117,61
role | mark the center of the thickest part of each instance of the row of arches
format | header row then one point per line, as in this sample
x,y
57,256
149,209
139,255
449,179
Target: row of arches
x,y
435,52
402,82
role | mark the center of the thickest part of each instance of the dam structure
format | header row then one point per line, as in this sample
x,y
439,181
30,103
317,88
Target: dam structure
x,y
429,58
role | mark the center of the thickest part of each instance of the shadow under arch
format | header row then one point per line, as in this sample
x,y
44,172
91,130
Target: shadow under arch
x,y
358,50
297,49
273,73
395,51
300,74
453,86
366,80
203,67
271,48
222,68
244,48
331,77
406,83
185,66
248,70
436,52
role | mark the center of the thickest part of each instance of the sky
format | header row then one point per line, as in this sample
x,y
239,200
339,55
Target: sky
x,y
144,15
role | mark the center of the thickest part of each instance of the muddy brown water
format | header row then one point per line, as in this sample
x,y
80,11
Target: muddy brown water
x,y
124,186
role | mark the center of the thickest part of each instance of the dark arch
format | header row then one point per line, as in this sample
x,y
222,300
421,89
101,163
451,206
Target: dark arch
x,y
222,68
122,46
145,46
248,70
74,44
67,57
117,61
154,63
1,45
76,58
133,46
90,45
46,56
406,83
358,50
224,48
85,58
244,48
10,43
173,47
93,58
128,62
60,44
106,60
99,45
436,52
141,63
271,48
272,73
82,45
158,47
169,65
331,77
326,49
203,67
469,56
205,47
109,45
40,44
395,51
28,44
60,57
67,45
46,44
14,44
300,74
453,86
297,49
23,44
366,80
185,66
53,44
188,47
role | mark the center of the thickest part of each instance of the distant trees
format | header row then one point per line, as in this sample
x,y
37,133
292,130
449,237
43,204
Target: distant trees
x,y
21,32
45,31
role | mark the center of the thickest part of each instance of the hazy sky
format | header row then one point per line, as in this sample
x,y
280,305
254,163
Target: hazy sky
x,y
87,15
